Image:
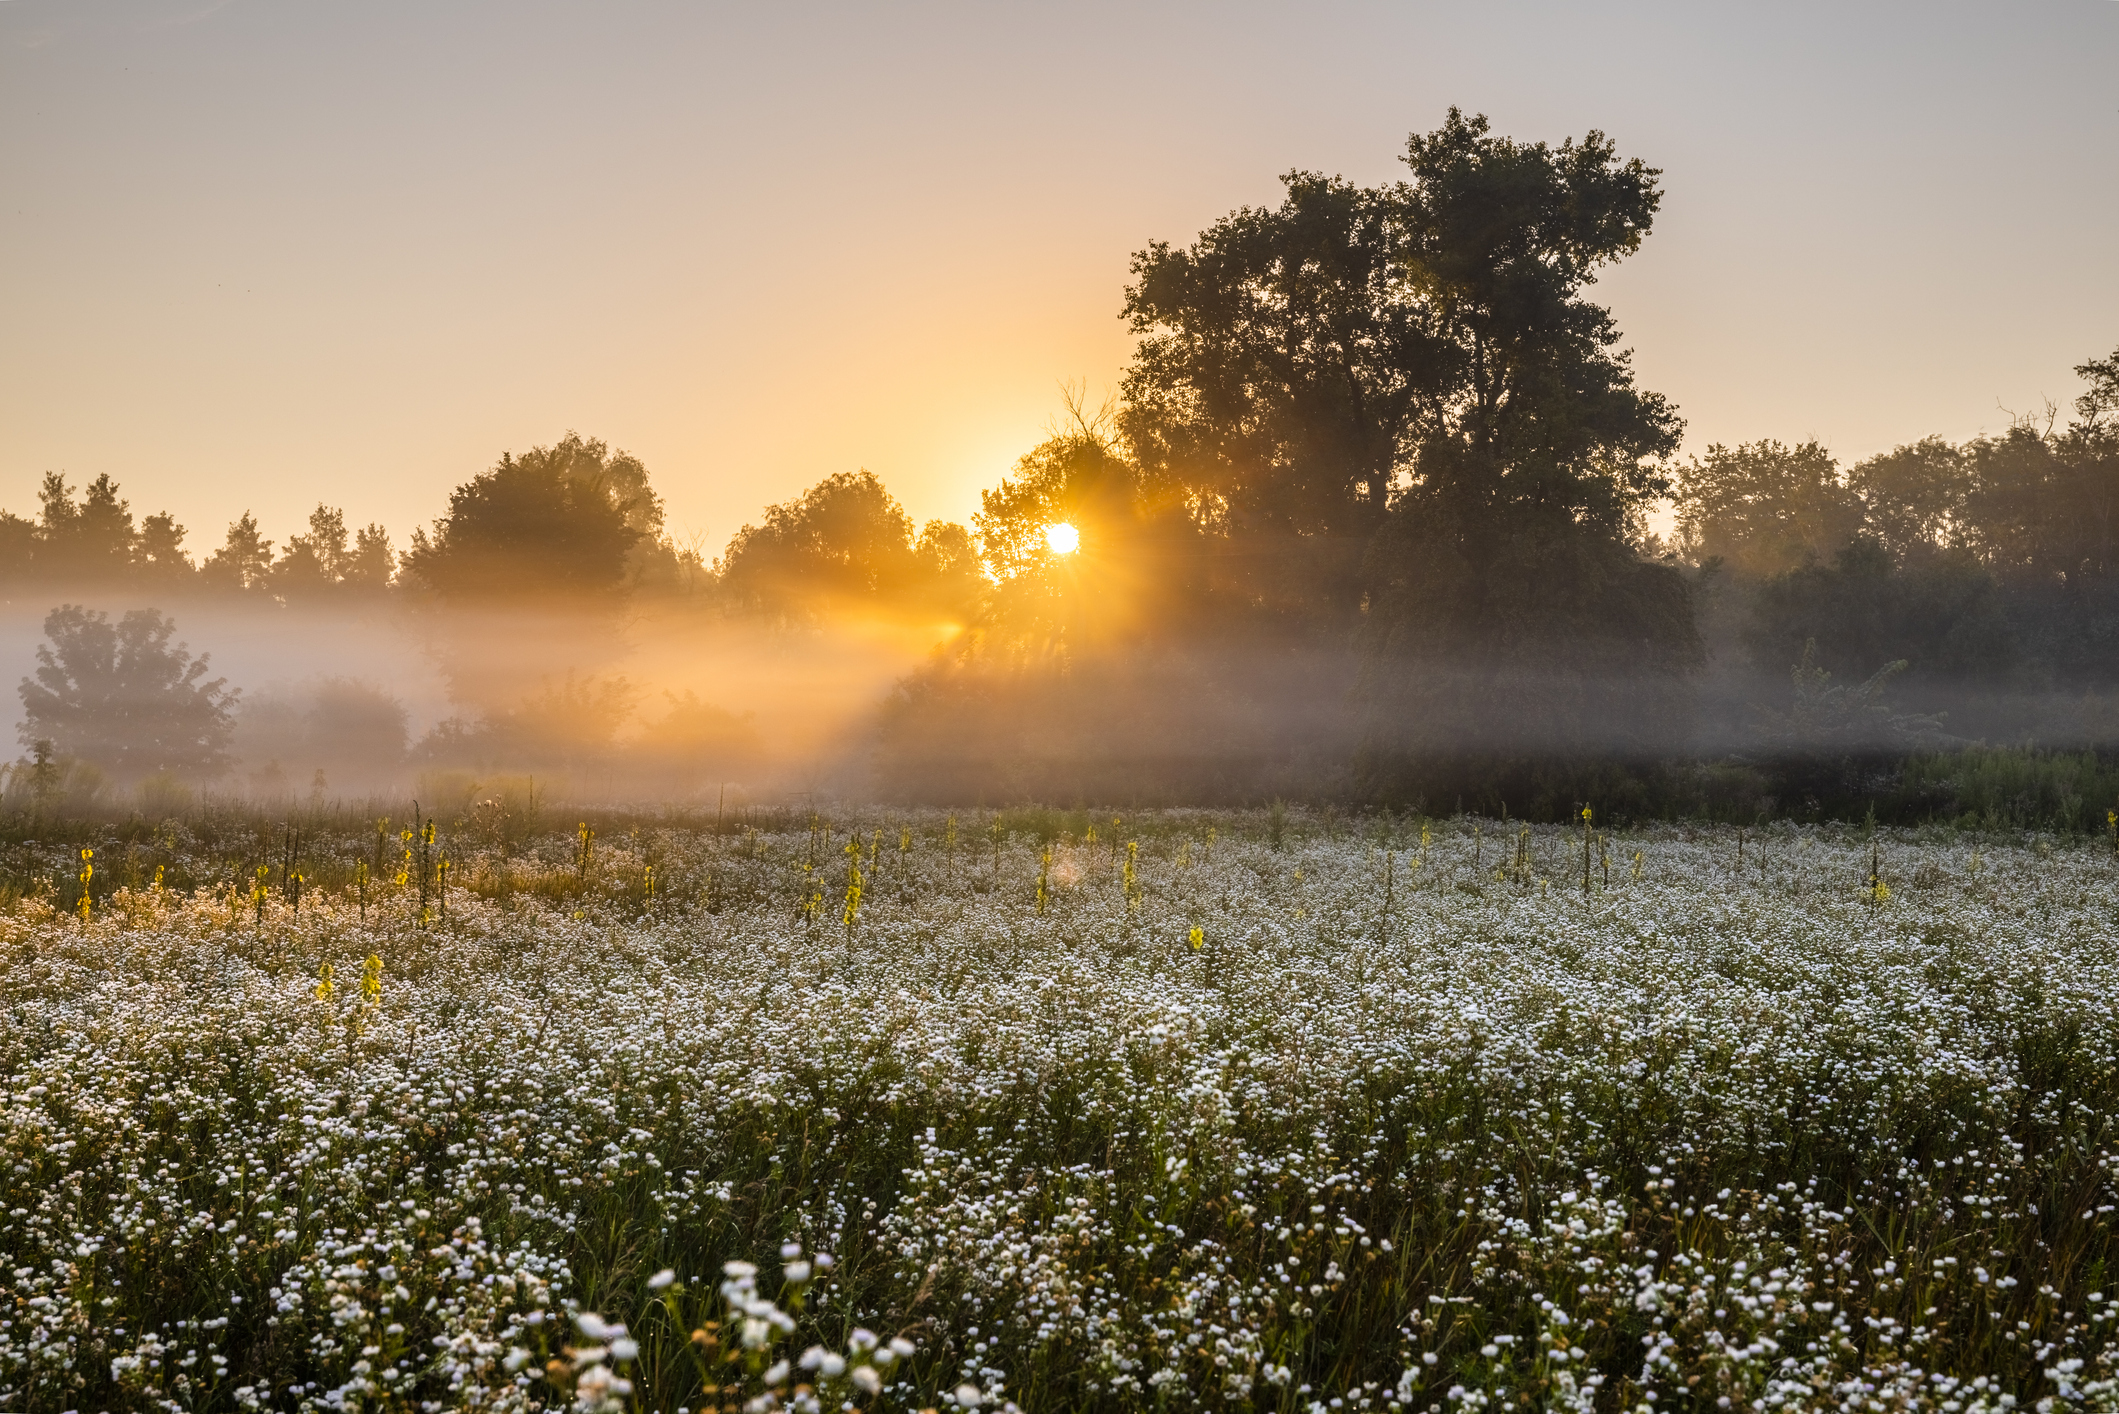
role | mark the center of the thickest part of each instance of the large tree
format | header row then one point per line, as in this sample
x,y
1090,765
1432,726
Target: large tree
x,y
1420,353
125,697
2043,506
845,545
556,523
1764,508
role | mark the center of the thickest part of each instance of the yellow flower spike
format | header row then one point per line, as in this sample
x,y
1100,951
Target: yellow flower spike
x,y
852,911
371,981
1198,937
325,985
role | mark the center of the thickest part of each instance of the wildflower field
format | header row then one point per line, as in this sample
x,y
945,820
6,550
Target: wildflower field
x,y
1058,1111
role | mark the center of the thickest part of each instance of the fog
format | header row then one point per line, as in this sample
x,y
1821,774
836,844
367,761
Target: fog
x,y
655,706
671,703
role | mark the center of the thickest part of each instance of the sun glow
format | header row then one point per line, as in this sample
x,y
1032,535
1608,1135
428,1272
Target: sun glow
x,y
1063,539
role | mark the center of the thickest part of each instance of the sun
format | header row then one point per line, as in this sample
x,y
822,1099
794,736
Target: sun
x,y
1063,539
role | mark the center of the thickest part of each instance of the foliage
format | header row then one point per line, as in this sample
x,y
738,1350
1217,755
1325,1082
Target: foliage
x,y
1943,616
555,524
76,544
244,561
1912,501
2045,507
1828,717
1763,508
323,561
1421,349
2032,506
124,696
846,546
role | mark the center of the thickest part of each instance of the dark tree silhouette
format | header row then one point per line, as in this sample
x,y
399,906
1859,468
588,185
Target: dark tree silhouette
x,y
123,696
244,561
1419,352
845,544
1763,508
556,523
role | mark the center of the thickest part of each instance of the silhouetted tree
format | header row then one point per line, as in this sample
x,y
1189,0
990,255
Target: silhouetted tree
x,y
1278,381
946,560
18,547
92,541
1912,498
1137,569
1420,351
1078,477
322,562
312,564
89,541
158,556
123,696
2098,406
372,562
1942,615
556,523
1763,508
244,561
844,544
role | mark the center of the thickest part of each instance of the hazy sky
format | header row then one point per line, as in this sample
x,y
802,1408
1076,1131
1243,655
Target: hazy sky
x,y
257,254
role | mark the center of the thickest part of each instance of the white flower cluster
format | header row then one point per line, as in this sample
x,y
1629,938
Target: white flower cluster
x,y
1397,1114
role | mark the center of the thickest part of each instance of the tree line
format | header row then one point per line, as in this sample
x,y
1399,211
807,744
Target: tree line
x,y
1385,424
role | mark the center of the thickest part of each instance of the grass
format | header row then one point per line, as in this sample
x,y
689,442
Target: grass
x,y
1744,1131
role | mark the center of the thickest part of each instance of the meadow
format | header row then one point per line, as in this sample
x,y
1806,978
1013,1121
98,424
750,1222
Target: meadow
x,y
1267,1110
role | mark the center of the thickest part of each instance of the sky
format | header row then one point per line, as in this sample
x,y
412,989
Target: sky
x,y
257,255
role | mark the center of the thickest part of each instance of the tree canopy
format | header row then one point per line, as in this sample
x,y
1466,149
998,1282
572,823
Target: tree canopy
x,y
1420,350
846,545
555,524
124,696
